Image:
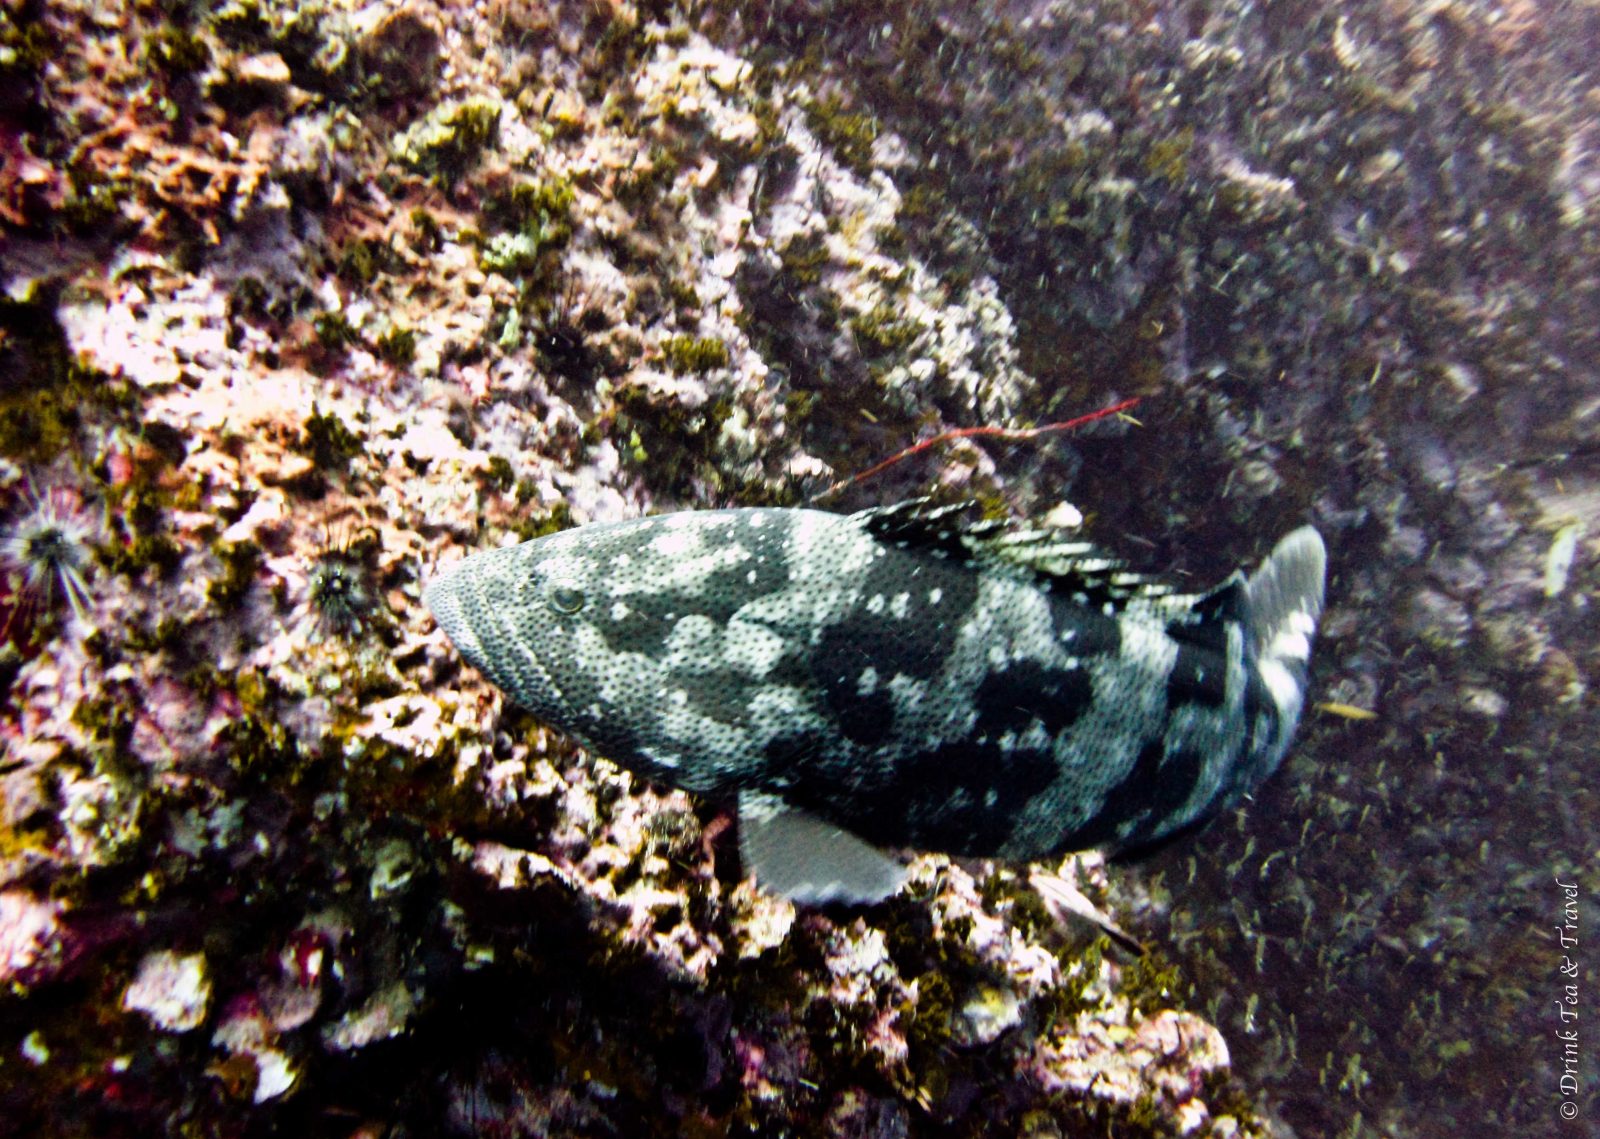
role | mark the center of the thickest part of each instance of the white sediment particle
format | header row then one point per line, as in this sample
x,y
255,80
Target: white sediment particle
x,y
900,606
1558,562
987,1014
384,1014
392,870
171,990
29,927
273,1074
1063,516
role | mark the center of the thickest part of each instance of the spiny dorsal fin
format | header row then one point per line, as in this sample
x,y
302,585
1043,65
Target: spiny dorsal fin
x,y
1055,558
920,523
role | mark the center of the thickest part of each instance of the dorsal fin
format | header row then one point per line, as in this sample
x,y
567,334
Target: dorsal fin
x,y
921,523
1056,559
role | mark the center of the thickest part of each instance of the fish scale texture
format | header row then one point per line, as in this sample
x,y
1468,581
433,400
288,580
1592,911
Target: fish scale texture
x,y
893,681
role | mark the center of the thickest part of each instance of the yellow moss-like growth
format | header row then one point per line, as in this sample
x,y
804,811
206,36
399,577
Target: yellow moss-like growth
x,y
694,354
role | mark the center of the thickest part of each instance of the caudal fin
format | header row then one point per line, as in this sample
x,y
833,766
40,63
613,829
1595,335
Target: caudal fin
x,y
1283,602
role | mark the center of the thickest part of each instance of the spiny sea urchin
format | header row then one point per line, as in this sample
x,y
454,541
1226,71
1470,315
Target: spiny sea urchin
x,y
341,588
340,593
50,548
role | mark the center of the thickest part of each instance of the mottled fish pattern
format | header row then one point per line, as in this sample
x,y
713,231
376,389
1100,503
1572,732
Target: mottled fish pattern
x,y
895,678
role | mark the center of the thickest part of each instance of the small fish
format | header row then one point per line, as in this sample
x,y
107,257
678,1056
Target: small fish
x,y
896,678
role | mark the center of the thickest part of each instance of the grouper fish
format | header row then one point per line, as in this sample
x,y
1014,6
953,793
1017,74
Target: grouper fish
x,y
897,678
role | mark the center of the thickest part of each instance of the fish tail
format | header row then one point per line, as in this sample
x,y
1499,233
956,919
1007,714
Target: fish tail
x,y
1283,601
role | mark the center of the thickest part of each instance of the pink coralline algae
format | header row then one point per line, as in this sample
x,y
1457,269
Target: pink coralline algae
x,y
171,991
30,938
303,303
1174,1051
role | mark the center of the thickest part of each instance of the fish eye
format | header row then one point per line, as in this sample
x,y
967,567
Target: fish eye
x,y
565,599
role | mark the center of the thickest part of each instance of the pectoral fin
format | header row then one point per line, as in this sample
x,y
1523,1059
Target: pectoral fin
x,y
806,860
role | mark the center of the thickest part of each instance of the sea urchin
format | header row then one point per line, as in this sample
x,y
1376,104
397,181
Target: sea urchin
x,y
49,548
341,588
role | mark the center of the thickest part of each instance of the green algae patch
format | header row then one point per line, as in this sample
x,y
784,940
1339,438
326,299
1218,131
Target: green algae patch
x,y
362,260
804,258
446,143
44,390
557,518
535,219
694,353
328,442
541,208
178,50
1153,983
881,332
1168,158
397,346
240,560
498,475
848,133
140,540
334,331
510,253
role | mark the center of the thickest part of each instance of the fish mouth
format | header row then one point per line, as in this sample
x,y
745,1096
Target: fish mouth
x,y
463,615
442,596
